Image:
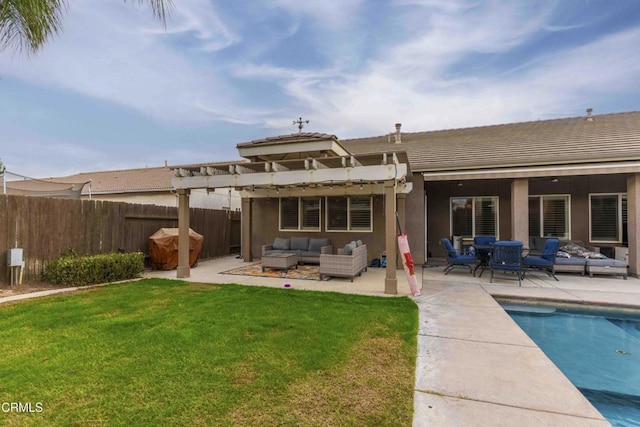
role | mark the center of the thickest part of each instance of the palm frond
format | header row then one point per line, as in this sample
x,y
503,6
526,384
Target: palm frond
x,y
27,24
161,8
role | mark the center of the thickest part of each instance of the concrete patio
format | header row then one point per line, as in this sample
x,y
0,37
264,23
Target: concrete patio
x,y
475,366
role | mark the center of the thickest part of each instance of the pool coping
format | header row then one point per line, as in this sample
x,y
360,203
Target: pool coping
x,y
583,305
468,318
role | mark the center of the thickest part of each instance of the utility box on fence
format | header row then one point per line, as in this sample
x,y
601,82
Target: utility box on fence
x,y
14,257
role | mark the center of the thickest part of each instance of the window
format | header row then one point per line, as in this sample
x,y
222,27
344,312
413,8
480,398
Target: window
x,y
474,216
300,213
549,216
349,213
608,218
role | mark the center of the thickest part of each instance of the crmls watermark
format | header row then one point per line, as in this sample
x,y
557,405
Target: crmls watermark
x,y
21,407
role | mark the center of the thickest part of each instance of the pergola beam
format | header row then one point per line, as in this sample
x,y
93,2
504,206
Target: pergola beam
x,y
356,189
355,175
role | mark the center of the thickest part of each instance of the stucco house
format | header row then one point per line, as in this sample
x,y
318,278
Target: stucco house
x,y
573,178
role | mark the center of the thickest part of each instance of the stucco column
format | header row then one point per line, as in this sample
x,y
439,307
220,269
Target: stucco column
x,y
246,229
183,234
633,223
520,210
390,281
401,200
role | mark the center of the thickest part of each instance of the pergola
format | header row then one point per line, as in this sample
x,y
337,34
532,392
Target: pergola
x,y
295,166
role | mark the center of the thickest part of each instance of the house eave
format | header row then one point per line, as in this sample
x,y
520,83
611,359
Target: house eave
x,y
533,171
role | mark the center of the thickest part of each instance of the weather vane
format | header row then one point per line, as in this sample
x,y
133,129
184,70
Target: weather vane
x,y
300,124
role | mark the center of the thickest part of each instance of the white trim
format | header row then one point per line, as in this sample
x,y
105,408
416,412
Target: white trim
x,y
280,149
353,175
302,190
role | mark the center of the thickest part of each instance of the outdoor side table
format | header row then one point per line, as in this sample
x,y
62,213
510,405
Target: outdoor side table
x,y
280,261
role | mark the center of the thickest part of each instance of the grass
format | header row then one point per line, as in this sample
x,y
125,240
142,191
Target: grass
x,y
167,352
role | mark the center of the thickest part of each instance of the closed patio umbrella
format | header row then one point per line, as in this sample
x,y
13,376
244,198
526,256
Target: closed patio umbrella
x,y
407,261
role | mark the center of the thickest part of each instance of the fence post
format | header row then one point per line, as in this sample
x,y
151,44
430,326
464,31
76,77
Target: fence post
x,y
183,234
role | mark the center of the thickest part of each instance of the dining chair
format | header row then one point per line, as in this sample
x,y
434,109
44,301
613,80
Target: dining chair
x,y
506,256
455,260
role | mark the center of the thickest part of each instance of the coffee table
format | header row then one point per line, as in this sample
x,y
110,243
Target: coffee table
x,y
280,261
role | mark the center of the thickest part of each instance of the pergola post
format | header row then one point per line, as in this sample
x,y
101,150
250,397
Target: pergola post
x,y
183,234
246,229
633,223
390,281
520,210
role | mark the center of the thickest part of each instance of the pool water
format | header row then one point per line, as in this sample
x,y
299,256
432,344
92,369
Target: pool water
x,y
598,351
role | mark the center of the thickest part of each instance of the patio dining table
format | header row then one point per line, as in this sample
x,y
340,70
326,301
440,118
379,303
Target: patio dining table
x,y
483,255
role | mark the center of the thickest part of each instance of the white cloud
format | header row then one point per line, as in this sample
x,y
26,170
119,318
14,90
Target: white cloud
x,y
333,14
418,86
110,53
430,64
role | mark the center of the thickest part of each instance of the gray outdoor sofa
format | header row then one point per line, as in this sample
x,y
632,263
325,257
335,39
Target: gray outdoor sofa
x,y
574,257
308,249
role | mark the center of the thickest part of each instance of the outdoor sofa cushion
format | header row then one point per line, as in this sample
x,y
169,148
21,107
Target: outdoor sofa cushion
x,y
316,244
307,249
349,247
299,243
570,264
606,266
281,244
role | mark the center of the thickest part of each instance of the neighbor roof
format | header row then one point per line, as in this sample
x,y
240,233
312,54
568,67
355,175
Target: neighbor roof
x,y
123,181
116,181
605,138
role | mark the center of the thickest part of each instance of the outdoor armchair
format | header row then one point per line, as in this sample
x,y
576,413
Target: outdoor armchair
x,y
343,265
545,262
455,260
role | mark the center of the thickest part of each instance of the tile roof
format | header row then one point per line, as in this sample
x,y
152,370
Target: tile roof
x,y
285,139
124,181
608,137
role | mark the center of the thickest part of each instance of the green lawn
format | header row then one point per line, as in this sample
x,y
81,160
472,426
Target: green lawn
x,y
167,352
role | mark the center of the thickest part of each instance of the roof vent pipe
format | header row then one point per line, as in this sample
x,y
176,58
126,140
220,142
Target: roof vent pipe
x,y
398,138
589,116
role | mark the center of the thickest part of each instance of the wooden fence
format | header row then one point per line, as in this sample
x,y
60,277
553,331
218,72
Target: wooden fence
x,y
45,228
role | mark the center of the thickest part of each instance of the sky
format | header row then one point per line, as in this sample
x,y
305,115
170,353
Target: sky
x,y
117,90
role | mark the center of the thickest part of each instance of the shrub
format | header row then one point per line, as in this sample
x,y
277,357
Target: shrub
x,y
73,270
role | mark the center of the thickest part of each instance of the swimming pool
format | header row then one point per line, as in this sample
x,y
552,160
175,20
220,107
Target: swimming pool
x,y
599,351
